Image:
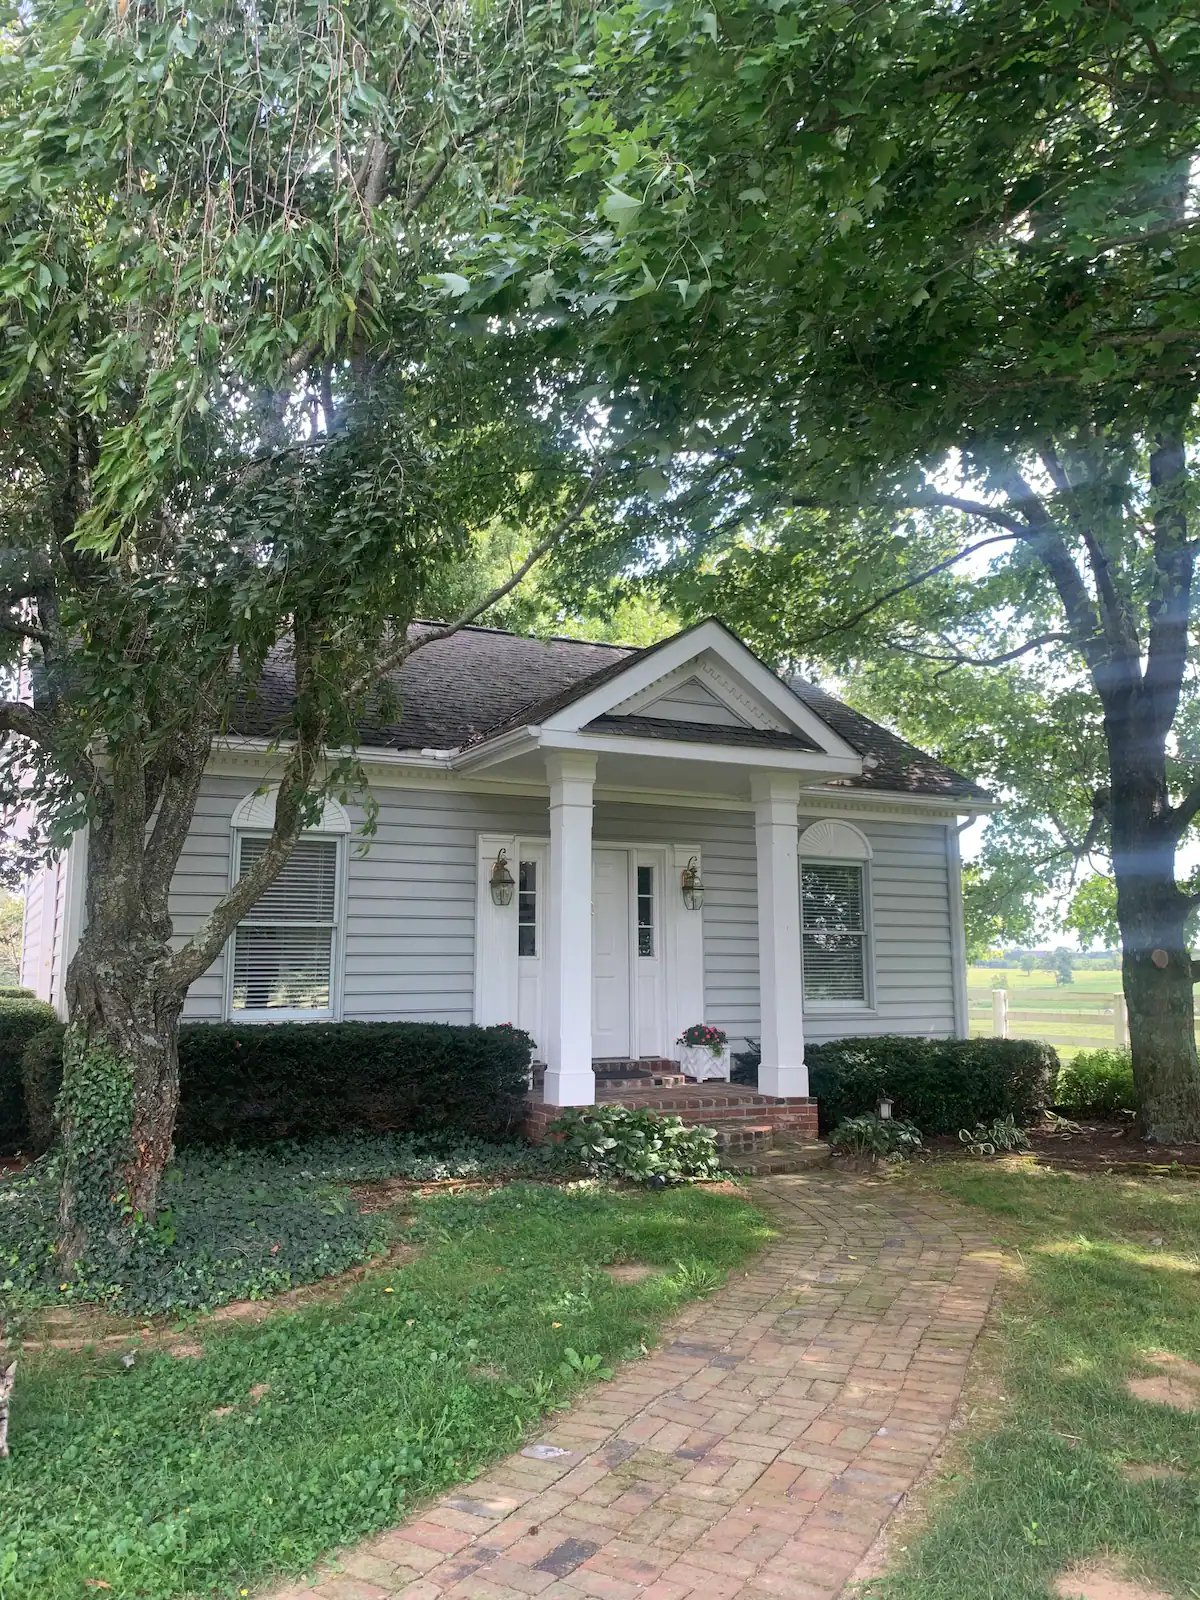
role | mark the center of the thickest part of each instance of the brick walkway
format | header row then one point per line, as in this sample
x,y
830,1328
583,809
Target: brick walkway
x,y
755,1456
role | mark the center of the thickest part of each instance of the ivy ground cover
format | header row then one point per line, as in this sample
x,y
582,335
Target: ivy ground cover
x,y
1072,1458
254,1448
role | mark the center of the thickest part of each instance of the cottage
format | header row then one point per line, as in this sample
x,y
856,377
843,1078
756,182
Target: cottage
x,y
598,844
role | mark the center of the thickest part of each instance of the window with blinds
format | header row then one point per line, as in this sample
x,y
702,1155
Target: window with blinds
x,y
283,949
833,927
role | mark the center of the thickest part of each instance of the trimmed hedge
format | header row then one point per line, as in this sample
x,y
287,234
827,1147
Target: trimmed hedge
x,y
941,1085
41,1075
244,1084
20,1018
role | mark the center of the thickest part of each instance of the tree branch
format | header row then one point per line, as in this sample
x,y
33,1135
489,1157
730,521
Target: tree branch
x,y
415,201
880,601
397,657
961,659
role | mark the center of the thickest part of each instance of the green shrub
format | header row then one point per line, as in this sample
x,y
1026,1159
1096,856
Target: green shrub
x,y
10,991
241,1083
247,1084
883,1138
1096,1083
20,1019
41,1076
941,1085
643,1146
992,1139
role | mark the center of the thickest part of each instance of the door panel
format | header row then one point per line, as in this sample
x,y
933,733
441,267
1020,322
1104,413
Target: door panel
x,y
610,952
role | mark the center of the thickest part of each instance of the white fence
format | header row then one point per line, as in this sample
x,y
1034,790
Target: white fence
x,y
1120,1018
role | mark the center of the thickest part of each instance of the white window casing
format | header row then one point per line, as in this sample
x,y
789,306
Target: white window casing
x,y
835,916
285,956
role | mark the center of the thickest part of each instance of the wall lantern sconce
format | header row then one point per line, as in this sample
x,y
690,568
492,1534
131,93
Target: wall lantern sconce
x,y
501,881
691,886
885,1109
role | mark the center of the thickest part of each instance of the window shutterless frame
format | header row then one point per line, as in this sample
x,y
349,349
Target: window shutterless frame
x,y
284,960
836,944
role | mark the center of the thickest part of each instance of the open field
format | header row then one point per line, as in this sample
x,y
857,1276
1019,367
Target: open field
x,y
1074,1016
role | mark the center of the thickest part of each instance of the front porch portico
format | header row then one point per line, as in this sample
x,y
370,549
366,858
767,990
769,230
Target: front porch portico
x,y
570,990
602,954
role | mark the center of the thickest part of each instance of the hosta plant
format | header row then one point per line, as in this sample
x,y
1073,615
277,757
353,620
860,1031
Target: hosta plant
x,y
990,1139
643,1146
875,1138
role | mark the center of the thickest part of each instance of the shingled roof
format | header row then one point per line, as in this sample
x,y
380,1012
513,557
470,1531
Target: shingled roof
x,y
456,692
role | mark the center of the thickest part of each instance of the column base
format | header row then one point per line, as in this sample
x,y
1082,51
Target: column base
x,y
563,1087
783,1083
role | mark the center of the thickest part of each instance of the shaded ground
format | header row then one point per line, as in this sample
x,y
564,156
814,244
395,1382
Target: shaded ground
x,y
242,1448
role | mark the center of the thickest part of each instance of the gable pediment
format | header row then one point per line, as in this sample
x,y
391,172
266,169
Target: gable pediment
x,y
703,678
703,690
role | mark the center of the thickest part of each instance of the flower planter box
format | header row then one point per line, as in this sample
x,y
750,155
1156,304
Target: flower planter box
x,y
698,1061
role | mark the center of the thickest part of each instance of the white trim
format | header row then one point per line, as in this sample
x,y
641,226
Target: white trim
x,y
958,933
750,711
815,762
256,813
337,948
646,669
680,936
569,1078
495,930
828,840
685,967
406,769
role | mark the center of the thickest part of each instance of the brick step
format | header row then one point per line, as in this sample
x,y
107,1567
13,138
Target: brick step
x,y
692,1104
628,1083
743,1138
784,1155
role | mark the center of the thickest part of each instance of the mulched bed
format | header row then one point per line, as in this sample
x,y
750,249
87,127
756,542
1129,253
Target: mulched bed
x,y
1098,1147
1113,1146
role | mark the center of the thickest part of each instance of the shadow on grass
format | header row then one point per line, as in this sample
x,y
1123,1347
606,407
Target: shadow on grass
x,y
1104,1272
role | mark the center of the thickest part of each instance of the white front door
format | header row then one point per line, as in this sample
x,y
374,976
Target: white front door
x,y
611,923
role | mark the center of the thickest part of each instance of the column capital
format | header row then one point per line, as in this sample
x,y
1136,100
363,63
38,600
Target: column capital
x,y
781,787
570,767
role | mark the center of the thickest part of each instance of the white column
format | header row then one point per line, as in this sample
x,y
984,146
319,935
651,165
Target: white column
x,y
780,979
568,971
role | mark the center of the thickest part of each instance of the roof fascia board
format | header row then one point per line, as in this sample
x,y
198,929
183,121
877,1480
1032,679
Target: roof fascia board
x,y
238,753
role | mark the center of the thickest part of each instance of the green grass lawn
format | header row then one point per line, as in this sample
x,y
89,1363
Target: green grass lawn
x,y
1105,1271
170,1478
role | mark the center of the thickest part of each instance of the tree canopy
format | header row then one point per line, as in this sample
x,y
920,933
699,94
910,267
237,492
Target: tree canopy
x,y
243,413
908,295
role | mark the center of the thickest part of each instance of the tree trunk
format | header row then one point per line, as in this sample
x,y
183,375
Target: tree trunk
x,y
119,1097
1152,914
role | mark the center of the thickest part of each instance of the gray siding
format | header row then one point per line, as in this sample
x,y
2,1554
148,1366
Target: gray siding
x,y
409,931
409,926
